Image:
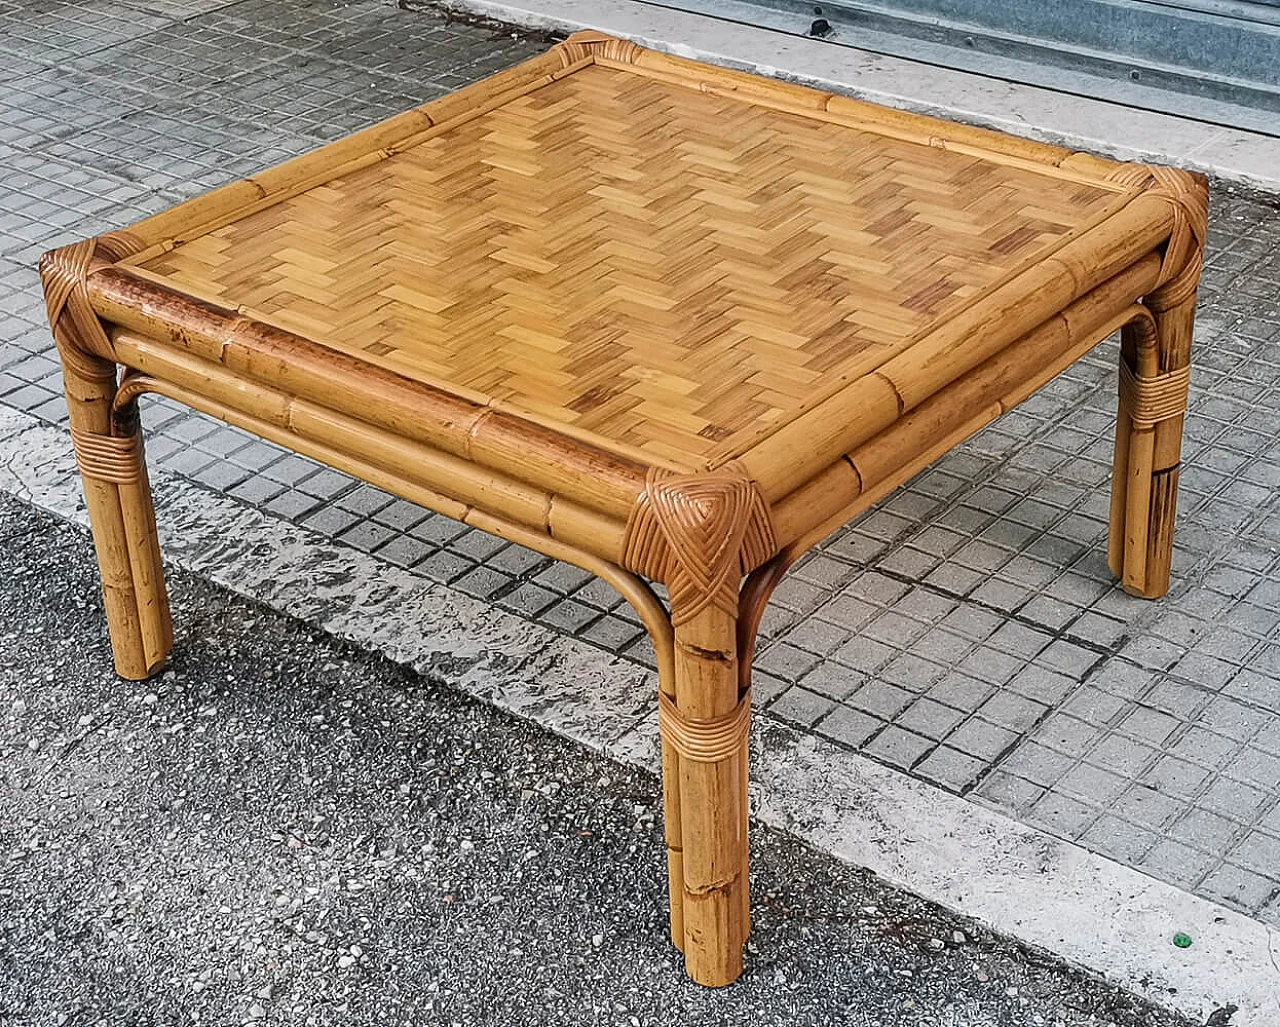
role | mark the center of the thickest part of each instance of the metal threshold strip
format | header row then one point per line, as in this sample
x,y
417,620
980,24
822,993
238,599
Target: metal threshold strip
x,y
1198,88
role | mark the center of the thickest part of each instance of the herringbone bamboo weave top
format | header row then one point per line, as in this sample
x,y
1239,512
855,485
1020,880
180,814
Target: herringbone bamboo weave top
x,y
665,269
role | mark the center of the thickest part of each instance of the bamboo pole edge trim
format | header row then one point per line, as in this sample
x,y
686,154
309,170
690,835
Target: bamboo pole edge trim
x,y
632,588
297,436
704,739
989,144
1134,315
700,533
479,405
742,442
111,458
242,330
1149,400
273,184
1143,272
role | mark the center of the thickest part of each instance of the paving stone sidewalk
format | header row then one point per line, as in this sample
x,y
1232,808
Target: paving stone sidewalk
x,y
966,630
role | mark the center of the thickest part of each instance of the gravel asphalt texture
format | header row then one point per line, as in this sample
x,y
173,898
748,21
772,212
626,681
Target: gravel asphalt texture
x,y
283,829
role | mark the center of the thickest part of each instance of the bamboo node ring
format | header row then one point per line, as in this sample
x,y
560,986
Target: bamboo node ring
x,y
111,458
704,739
1158,398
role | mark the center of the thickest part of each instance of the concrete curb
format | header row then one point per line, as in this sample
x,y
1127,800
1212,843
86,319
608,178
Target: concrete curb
x,y
1063,119
1052,894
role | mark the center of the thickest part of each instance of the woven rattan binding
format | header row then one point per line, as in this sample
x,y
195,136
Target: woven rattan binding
x,y
589,43
117,459
704,740
699,533
1180,271
78,331
1151,400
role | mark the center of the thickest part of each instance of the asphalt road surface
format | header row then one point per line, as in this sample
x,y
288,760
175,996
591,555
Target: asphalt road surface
x,y
282,829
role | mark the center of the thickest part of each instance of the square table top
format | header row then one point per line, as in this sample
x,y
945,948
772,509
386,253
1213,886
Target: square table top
x,y
665,261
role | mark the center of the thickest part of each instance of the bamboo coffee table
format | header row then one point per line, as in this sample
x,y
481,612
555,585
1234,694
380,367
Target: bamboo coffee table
x,y
660,320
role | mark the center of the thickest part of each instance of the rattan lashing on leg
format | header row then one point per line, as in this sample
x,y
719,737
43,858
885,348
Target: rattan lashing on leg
x,y
721,740
116,459
704,739
1150,400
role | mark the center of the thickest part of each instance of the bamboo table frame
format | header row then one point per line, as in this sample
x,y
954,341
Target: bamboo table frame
x,y
862,326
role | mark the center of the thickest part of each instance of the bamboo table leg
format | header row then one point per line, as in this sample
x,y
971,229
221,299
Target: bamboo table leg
x,y
1155,367
671,820
706,727
701,534
108,447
